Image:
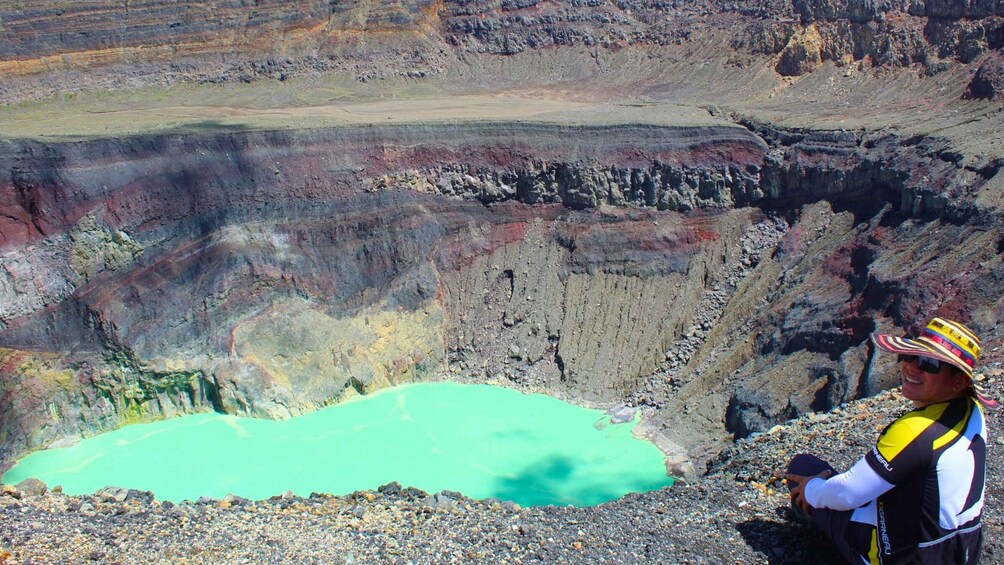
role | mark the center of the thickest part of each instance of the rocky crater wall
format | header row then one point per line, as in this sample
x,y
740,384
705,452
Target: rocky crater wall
x,y
722,277
57,48
270,273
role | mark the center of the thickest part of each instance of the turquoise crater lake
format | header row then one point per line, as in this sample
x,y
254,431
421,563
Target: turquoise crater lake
x,y
480,440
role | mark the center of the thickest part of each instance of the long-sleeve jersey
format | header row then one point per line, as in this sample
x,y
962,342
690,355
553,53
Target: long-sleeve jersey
x,y
918,494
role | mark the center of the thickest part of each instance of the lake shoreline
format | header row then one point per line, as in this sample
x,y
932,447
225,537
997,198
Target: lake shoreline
x,y
736,512
479,439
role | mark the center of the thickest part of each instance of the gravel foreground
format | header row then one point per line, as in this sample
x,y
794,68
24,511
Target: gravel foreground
x,y
736,513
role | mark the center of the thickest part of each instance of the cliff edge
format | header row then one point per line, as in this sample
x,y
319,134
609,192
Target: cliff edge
x,y
700,209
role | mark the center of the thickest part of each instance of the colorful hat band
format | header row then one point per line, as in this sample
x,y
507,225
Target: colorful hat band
x,y
963,356
957,333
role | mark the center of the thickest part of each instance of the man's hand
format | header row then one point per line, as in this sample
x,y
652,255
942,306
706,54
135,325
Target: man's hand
x,y
798,490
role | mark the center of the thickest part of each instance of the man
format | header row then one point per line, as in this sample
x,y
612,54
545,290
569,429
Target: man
x,y
917,495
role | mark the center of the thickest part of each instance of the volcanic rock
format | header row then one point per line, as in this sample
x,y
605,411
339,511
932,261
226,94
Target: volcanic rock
x,y
989,79
699,210
802,54
32,487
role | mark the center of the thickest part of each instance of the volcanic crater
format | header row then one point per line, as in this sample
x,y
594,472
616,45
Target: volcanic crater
x,y
700,209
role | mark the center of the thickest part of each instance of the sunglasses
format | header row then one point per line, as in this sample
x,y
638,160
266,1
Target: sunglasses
x,y
926,364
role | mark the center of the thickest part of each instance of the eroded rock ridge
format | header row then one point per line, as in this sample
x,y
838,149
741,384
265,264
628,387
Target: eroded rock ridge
x,y
722,272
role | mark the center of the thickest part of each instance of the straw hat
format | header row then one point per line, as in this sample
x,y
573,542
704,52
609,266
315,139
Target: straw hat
x,y
944,340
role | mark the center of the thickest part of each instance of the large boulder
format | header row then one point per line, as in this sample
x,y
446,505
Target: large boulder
x,y
32,487
988,83
802,54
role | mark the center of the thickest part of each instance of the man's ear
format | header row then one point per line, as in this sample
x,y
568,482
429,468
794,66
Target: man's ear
x,y
960,381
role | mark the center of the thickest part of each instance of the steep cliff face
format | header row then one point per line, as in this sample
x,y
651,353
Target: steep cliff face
x,y
270,273
56,47
715,253
46,35
282,271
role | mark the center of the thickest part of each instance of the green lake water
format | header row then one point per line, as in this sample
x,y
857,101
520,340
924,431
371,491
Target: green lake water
x,y
480,440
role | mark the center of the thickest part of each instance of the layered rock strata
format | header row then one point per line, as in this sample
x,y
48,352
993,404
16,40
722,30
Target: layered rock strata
x,y
723,274
270,273
54,47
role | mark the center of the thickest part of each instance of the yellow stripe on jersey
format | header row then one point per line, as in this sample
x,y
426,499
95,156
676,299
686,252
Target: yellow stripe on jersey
x,y
873,556
955,431
908,428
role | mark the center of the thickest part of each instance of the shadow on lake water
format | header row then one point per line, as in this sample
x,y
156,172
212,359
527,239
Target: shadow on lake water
x,y
552,480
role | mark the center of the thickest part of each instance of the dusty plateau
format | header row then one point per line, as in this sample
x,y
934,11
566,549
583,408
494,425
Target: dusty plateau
x,y
700,209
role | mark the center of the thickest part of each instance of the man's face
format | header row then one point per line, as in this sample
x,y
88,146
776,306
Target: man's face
x,y
925,388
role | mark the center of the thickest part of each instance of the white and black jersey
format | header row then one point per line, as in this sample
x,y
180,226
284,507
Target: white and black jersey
x,y
917,495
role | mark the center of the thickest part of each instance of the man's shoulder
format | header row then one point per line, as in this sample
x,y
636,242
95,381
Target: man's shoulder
x,y
911,425
933,419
